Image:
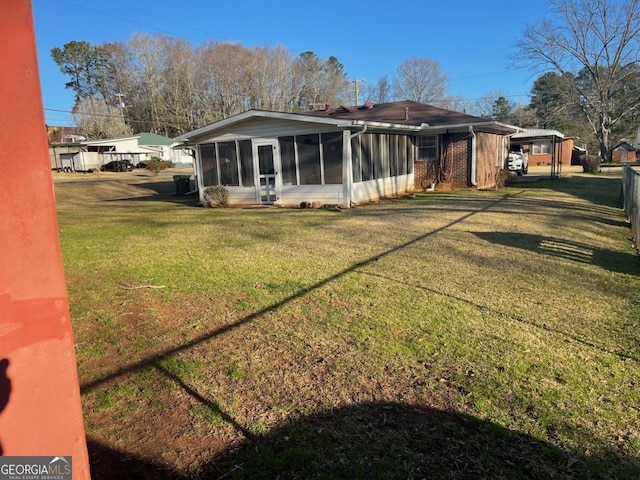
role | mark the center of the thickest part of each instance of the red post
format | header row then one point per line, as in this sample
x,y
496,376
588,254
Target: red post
x,y
40,411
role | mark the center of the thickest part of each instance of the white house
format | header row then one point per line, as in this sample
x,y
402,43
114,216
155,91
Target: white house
x,y
88,155
346,155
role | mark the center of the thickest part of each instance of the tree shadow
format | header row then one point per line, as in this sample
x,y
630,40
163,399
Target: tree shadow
x,y
107,463
578,252
382,441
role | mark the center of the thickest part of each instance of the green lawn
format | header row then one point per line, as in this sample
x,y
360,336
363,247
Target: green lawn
x,y
445,335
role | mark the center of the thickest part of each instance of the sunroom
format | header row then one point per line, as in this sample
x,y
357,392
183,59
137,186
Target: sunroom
x,y
290,159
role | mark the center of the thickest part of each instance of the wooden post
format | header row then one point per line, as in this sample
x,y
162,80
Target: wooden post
x,y
40,412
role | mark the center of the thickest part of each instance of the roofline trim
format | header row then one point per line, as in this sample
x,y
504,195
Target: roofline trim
x,y
343,123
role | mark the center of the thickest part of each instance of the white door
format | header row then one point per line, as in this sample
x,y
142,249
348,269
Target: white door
x,y
267,154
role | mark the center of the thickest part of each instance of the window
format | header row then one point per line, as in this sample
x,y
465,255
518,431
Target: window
x,y
246,163
332,157
309,159
541,148
427,147
209,164
288,161
228,161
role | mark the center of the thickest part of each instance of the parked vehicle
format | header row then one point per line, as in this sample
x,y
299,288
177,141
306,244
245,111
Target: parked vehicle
x,y
117,166
518,162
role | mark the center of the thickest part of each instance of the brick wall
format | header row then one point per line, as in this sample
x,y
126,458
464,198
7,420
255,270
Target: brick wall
x,y
486,159
456,147
460,146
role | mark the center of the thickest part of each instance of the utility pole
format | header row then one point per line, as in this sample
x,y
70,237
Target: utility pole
x,y
356,88
121,105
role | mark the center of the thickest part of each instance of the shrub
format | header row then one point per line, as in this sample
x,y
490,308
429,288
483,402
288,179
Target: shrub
x,y
591,164
155,164
215,197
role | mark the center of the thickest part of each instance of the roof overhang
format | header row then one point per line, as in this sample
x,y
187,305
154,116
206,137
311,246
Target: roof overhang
x,y
537,133
250,114
488,126
485,126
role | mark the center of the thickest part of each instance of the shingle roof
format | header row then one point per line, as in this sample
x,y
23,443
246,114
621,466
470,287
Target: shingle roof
x,y
394,112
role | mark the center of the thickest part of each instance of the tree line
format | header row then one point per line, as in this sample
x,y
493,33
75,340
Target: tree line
x,y
586,54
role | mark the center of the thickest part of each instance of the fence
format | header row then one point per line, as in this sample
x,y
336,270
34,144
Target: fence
x,y
631,200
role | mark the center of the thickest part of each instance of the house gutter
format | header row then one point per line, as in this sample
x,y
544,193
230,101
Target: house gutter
x,y
474,159
359,132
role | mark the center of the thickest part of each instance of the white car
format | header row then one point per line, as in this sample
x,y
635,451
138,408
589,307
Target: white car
x,y
518,162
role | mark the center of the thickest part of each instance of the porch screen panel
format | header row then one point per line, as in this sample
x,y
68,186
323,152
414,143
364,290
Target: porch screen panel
x,y
332,157
410,155
367,167
288,161
209,164
403,148
381,156
246,163
356,159
309,159
393,155
228,160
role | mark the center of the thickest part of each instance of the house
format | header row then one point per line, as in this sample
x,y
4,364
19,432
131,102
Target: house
x,y
87,155
545,147
624,152
346,155
63,134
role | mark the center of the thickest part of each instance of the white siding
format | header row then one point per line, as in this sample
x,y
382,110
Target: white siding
x,y
293,195
383,187
290,195
239,195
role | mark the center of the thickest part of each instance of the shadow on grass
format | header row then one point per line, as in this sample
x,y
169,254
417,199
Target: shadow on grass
x,y
361,441
382,441
597,189
612,261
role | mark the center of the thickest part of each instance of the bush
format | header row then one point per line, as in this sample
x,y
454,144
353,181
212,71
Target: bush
x,y
155,164
215,197
502,178
591,164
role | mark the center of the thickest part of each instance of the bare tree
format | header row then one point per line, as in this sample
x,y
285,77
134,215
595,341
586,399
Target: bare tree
x,y
97,119
597,43
380,92
420,80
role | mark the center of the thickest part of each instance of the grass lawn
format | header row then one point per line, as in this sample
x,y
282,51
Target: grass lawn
x,y
446,335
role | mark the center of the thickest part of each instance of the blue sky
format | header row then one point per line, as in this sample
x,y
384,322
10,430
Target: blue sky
x,y
470,39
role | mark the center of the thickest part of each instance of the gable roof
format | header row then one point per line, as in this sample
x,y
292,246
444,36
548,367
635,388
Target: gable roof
x,y
153,139
624,145
400,116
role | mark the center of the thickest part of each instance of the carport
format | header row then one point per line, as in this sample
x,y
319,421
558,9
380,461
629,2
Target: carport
x,y
545,147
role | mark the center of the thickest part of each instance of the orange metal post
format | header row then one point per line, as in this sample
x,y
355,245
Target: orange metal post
x,y
40,412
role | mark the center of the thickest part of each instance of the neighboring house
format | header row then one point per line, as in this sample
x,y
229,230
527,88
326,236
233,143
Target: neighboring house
x,y
63,134
624,152
89,155
545,147
347,155
578,155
